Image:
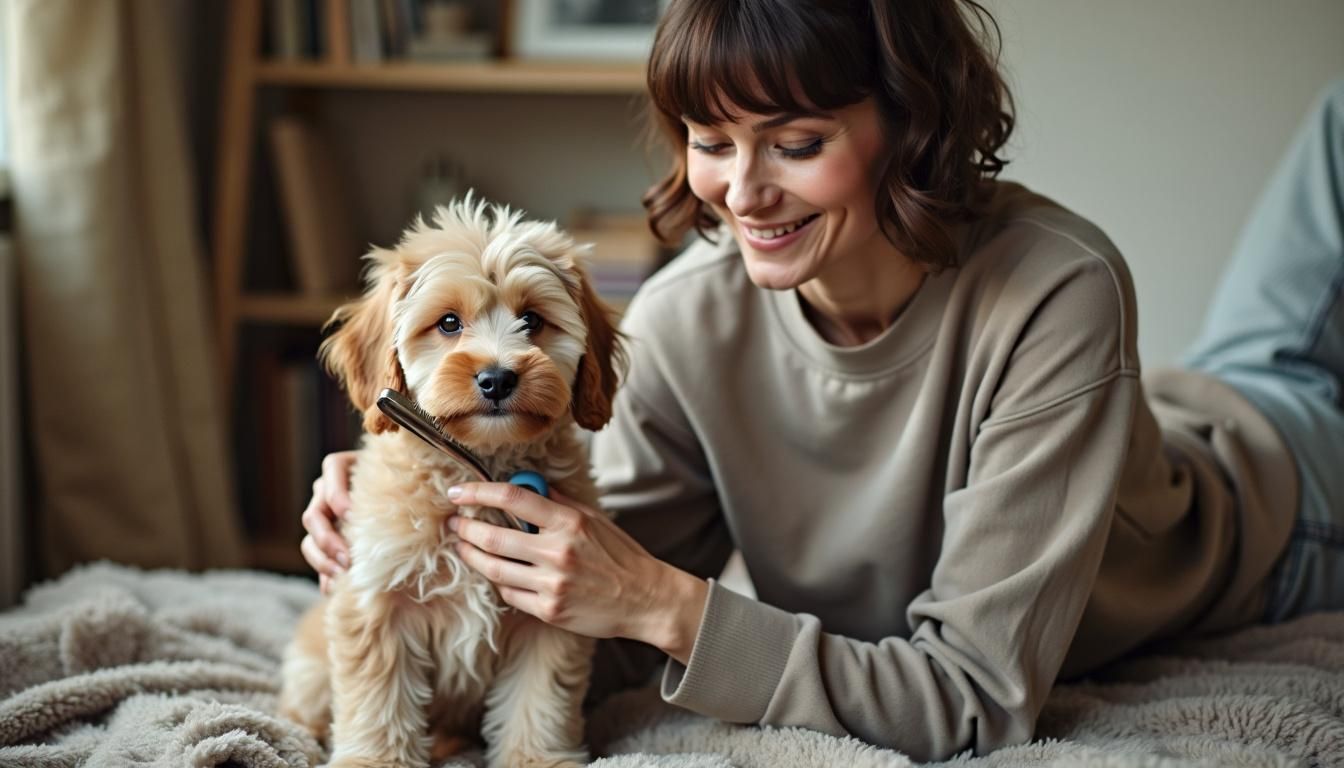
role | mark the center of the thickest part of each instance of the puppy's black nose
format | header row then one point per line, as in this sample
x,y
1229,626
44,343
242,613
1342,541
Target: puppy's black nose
x,y
496,383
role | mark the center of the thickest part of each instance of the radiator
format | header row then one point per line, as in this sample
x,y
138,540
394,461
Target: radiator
x,y
13,569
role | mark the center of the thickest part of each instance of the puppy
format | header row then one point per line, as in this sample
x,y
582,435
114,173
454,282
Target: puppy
x,y
491,323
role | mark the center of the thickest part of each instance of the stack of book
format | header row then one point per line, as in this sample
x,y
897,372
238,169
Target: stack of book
x,y
373,31
423,30
624,252
302,415
324,247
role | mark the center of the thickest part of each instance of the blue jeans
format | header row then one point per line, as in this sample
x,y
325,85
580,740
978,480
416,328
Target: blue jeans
x,y
1275,332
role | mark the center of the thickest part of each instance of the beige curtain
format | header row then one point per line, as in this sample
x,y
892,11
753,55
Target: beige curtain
x,y
122,399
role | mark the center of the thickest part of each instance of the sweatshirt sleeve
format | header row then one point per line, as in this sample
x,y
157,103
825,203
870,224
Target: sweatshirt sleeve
x,y
1020,553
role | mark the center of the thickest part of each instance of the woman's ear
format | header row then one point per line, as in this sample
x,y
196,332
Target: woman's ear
x,y
603,362
360,350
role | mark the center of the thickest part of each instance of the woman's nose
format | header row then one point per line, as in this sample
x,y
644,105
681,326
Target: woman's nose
x,y
749,189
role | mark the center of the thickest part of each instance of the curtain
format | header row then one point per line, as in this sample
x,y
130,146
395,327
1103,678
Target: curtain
x,y
127,424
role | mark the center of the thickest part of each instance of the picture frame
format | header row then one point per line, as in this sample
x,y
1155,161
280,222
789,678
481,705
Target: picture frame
x,y
616,30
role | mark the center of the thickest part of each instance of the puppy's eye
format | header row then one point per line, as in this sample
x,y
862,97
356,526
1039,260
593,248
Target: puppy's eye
x,y
450,324
532,322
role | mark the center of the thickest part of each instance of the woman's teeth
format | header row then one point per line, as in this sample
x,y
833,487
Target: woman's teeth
x,y
770,234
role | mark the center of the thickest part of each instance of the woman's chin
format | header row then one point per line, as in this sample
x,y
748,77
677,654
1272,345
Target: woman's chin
x,y
772,277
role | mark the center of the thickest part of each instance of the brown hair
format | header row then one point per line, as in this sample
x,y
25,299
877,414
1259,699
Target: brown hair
x,y
946,110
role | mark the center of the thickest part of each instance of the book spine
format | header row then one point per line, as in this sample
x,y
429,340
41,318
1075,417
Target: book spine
x,y
337,17
365,32
287,29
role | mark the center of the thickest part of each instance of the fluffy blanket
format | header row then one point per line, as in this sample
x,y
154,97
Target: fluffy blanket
x,y
111,666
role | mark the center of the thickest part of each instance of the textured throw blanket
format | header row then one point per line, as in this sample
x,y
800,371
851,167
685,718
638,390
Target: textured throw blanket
x,y
111,666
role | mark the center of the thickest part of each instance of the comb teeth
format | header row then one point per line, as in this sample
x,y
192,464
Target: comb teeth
x,y
415,407
401,408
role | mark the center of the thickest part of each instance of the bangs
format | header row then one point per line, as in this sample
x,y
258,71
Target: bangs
x,y
761,57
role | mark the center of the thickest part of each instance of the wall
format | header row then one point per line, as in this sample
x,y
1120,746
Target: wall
x,y
1161,121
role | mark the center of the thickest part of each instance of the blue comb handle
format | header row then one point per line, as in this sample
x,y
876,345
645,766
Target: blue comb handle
x,y
535,483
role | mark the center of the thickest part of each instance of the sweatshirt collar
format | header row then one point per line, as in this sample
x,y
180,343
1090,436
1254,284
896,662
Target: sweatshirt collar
x,y
901,343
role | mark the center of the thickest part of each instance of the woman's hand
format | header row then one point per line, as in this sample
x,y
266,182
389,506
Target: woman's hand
x,y
580,572
324,548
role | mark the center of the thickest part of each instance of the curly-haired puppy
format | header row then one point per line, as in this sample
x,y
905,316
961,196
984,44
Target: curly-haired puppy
x,y
491,323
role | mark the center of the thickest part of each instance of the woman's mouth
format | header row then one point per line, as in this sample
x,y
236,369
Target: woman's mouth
x,y
770,238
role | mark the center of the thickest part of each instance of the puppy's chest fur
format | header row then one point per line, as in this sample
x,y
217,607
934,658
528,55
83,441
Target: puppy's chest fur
x,y
399,545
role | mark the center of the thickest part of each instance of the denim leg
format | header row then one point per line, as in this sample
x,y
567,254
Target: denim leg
x,y
1275,332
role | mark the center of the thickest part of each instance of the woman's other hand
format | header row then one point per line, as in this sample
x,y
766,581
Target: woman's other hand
x,y
324,547
580,572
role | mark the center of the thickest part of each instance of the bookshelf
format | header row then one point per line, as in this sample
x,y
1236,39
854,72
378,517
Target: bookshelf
x,y
520,77
253,372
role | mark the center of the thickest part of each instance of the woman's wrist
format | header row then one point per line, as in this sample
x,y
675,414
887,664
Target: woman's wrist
x,y
676,609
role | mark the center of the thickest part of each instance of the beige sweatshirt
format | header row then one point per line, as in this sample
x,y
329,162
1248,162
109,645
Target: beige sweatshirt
x,y
945,520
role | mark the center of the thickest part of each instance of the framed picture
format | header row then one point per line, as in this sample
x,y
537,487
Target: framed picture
x,y
584,29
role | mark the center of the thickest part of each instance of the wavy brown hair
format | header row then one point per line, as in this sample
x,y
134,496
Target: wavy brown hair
x,y
931,66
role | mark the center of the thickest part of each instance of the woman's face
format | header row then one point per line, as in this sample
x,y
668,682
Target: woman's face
x,y
797,190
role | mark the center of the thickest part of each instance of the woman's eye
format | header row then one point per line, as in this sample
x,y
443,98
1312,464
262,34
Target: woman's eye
x,y
532,322
450,324
807,150
708,149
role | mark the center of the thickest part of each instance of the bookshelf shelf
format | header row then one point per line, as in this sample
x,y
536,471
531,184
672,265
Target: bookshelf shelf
x,y
288,309
518,77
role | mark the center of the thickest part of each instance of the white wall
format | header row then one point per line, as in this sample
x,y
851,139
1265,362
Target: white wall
x,y
1161,120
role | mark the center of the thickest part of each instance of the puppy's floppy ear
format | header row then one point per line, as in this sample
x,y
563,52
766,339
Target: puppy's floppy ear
x,y
360,350
603,362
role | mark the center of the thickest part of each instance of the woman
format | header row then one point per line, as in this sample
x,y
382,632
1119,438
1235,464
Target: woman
x,y
910,396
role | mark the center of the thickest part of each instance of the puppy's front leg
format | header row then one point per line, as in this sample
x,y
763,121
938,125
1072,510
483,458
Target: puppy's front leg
x,y
533,711
379,680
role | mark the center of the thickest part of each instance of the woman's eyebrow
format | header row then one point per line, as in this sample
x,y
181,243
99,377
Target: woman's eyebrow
x,y
788,117
783,118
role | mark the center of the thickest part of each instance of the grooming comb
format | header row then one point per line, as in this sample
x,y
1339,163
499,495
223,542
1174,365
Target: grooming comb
x,y
411,417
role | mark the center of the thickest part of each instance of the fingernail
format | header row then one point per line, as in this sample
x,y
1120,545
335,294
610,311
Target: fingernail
x,y
343,559
452,523
455,492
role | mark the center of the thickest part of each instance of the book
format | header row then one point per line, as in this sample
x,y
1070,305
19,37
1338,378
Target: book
x,y
301,444
289,20
324,249
471,46
337,13
624,251
366,32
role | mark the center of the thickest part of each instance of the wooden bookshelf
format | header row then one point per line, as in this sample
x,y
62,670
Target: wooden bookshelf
x,y
243,118
288,309
513,77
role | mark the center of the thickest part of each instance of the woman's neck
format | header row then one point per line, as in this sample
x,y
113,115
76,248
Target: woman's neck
x,y
854,303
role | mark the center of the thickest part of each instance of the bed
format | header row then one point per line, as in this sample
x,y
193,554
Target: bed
x,y
114,666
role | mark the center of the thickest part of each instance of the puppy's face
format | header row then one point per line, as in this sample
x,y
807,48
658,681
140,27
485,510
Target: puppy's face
x,y
488,321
